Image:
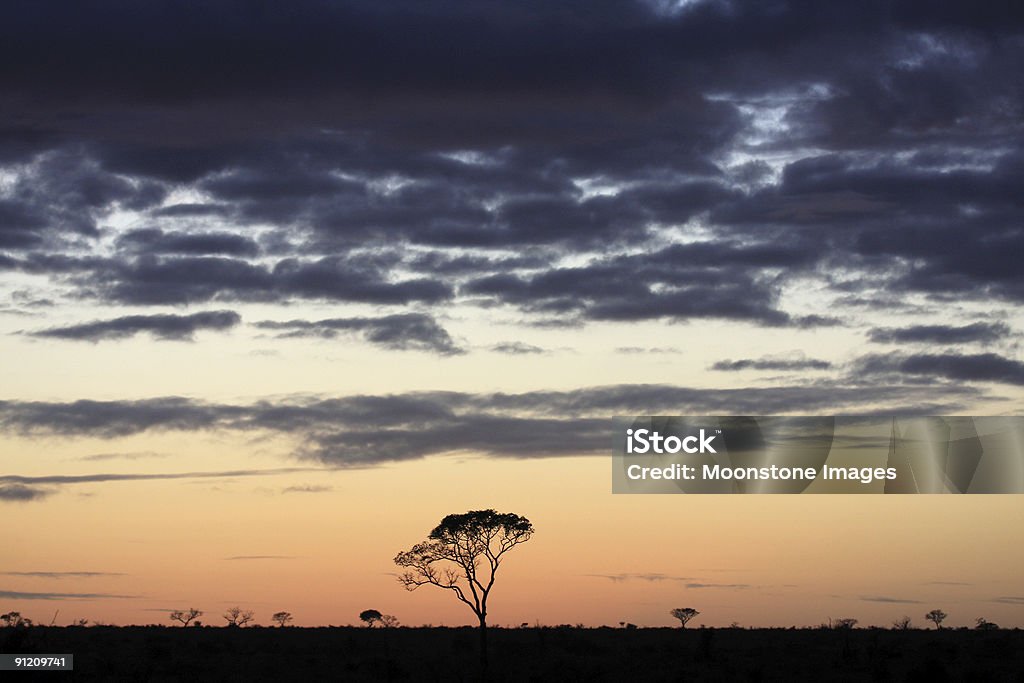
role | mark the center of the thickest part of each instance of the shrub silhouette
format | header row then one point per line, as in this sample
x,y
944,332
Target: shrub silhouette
x,y
282,618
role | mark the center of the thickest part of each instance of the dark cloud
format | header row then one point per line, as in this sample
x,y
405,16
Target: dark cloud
x,y
883,598
62,479
940,334
151,280
702,280
367,430
61,198
688,582
15,488
516,348
18,225
63,575
629,576
979,367
166,327
646,349
948,583
780,364
1010,599
138,455
191,210
13,493
156,241
400,332
308,488
108,419
22,595
942,230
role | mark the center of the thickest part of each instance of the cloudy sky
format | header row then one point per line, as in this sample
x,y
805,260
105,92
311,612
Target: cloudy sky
x,y
283,284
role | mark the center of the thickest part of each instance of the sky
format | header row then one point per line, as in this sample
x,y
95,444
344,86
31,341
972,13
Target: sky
x,y
283,284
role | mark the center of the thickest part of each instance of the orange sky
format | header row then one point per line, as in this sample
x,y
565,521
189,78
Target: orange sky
x,y
595,559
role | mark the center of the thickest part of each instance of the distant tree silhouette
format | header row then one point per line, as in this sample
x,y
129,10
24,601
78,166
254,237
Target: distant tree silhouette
x,y
80,622
237,617
388,620
844,624
938,616
282,618
370,616
902,624
14,620
462,554
985,625
684,614
185,616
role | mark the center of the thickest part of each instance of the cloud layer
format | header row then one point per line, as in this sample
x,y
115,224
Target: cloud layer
x,y
164,327
618,162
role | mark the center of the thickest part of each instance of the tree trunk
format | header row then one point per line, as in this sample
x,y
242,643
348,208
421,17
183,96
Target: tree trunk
x,y
483,650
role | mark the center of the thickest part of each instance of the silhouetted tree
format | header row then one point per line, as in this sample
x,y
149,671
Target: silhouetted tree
x,y
282,618
985,625
236,616
938,616
844,624
903,624
462,554
370,616
14,619
388,620
684,614
185,616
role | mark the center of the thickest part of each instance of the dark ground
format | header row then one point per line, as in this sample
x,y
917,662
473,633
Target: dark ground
x,y
527,654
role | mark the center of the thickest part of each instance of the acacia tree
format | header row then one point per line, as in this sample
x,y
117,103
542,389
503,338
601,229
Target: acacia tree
x,y
938,616
462,554
282,618
684,614
236,616
370,616
185,616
